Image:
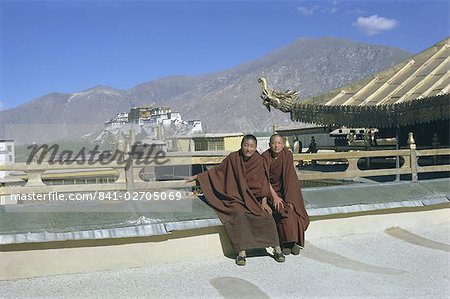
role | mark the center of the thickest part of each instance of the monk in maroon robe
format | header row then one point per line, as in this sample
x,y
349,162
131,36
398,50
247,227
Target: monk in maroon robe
x,y
286,198
237,190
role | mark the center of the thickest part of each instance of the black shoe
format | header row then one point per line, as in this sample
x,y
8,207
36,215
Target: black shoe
x,y
240,260
286,250
279,257
295,250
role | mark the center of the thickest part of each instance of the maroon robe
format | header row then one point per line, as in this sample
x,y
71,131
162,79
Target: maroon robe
x,y
291,223
231,189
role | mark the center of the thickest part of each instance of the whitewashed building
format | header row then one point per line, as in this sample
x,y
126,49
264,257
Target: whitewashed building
x,y
7,155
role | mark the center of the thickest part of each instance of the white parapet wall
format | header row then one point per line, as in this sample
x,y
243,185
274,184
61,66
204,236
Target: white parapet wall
x,y
7,200
51,258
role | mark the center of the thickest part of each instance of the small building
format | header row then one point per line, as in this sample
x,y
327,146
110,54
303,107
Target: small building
x,y
175,116
122,117
154,145
304,134
208,142
196,125
7,154
118,121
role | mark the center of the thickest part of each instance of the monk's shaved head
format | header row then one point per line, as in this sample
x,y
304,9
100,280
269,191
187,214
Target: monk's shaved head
x,y
248,145
275,136
276,144
249,137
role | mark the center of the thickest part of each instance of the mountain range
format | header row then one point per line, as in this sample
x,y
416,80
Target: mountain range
x,y
225,101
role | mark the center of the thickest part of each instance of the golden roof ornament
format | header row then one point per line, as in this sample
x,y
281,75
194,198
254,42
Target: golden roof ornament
x,y
277,99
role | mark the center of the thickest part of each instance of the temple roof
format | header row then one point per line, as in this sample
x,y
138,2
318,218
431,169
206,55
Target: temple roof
x,y
425,75
413,91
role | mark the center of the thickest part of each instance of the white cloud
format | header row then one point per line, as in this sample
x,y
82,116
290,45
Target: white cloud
x,y
328,8
1,105
331,10
374,24
357,11
308,11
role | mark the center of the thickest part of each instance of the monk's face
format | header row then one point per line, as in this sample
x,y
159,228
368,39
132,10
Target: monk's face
x,y
276,145
248,147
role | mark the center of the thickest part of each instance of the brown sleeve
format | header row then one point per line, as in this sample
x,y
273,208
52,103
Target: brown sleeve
x,y
265,188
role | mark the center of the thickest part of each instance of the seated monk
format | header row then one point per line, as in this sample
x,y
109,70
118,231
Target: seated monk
x,y
290,214
237,190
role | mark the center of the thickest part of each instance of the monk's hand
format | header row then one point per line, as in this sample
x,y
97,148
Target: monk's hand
x,y
191,178
278,203
266,208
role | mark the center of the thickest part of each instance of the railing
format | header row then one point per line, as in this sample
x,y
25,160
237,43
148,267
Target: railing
x,y
129,179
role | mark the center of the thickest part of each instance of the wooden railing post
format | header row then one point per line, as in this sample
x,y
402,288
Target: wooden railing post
x,y
34,178
136,174
352,164
413,156
397,158
121,174
129,171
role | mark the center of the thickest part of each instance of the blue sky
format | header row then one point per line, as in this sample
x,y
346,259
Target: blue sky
x,y
70,46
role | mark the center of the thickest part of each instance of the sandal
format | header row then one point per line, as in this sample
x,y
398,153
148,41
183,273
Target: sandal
x,y
295,249
240,260
279,257
286,250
